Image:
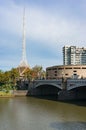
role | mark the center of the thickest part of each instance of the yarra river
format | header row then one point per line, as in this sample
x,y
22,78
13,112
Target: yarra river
x,y
29,113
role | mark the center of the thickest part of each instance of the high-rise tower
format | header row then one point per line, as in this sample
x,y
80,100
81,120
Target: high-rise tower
x,y
73,55
23,64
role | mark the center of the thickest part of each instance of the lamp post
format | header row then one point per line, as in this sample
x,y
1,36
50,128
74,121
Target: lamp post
x,y
64,81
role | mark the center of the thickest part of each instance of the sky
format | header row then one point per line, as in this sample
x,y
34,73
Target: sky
x,y
50,25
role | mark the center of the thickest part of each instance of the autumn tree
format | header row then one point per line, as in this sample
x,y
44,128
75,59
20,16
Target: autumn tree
x,y
36,72
14,75
39,72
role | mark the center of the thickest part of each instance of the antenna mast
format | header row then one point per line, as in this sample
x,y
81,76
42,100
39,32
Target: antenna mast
x,y
23,64
24,40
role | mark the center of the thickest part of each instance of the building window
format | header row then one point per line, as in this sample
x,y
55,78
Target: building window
x,y
54,68
74,71
68,68
76,67
60,68
48,69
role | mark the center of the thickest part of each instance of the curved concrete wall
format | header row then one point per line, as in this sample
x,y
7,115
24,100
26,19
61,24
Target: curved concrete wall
x,y
67,71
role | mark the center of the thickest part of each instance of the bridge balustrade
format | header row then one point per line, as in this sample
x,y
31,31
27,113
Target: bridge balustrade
x,y
36,83
75,83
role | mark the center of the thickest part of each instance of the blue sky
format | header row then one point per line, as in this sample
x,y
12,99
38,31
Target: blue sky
x,y
50,24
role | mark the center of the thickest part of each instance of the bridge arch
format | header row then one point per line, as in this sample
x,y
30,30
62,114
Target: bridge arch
x,y
76,86
48,84
45,89
79,92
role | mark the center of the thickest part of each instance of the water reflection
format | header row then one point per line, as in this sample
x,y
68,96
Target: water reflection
x,y
69,125
48,97
77,102
27,113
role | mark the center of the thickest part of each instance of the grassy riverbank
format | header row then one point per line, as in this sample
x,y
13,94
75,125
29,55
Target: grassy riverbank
x,y
6,94
13,93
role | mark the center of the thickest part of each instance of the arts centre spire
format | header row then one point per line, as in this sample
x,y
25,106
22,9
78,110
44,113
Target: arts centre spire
x,y
23,66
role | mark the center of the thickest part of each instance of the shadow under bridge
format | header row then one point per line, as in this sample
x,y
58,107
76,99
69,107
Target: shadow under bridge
x,y
45,89
78,92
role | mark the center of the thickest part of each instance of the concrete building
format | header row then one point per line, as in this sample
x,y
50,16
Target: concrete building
x,y
74,56
66,71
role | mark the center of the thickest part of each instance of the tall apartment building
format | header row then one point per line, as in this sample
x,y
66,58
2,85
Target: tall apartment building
x,y
74,56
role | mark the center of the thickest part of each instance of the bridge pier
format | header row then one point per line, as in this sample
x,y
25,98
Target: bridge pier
x,y
75,94
66,95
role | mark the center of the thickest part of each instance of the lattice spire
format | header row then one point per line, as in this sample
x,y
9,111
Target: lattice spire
x,y
23,64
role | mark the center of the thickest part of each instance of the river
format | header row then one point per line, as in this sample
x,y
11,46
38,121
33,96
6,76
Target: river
x,y
29,113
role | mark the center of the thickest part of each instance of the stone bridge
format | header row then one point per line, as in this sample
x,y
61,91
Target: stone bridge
x,y
45,87
75,83
64,89
38,83
68,84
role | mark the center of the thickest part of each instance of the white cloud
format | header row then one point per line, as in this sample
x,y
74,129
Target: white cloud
x,y
51,30
42,26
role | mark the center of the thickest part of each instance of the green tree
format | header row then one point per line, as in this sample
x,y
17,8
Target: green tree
x,y
14,75
1,77
39,72
8,79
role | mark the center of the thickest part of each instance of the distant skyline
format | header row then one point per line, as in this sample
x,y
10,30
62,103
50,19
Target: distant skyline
x,y
50,25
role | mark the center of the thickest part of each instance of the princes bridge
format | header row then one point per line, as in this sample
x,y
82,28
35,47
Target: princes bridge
x,y
64,89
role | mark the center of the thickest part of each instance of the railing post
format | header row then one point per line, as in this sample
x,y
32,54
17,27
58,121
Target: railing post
x,y
64,83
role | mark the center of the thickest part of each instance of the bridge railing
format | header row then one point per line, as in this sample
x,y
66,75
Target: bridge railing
x,y
74,83
70,83
34,83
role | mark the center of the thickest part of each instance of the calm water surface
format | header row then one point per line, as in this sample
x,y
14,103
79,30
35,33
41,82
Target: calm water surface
x,y
27,113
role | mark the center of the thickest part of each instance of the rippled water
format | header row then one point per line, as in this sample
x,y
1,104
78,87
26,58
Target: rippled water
x,y
27,113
